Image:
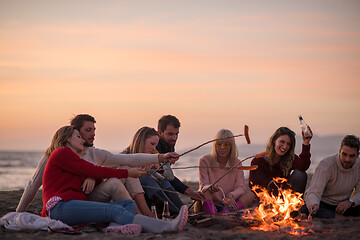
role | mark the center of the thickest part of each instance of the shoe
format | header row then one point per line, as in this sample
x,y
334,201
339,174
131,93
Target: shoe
x,y
128,229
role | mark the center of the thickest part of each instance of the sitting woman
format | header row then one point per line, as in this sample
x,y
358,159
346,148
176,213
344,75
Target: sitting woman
x,y
281,160
64,200
230,193
145,140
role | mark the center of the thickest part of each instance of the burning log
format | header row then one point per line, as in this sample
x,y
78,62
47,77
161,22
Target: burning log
x,y
278,210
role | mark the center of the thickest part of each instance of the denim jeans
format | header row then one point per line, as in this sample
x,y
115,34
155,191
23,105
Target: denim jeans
x,y
74,212
149,181
328,211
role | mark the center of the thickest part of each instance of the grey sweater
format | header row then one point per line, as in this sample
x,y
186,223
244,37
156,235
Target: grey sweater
x,y
333,184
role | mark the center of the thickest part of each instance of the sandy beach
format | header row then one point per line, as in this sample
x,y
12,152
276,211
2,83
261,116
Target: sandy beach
x,y
219,228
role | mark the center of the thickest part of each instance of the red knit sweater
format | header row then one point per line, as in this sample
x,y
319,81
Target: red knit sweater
x,y
264,173
65,172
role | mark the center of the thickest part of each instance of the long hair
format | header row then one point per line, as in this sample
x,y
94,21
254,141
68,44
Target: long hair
x,y
233,156
59,139
286,161
138,142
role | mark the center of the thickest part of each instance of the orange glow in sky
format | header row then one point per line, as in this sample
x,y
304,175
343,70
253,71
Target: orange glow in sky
x,y
212,64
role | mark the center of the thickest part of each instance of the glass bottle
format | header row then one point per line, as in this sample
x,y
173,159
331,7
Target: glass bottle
x,y
166,213
305,127
153,210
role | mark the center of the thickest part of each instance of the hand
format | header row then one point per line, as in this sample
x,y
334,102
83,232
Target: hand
x,y
136,172
232,203
212,189
170,157
342,207
313,209
148,167
306,140
198,195
88,185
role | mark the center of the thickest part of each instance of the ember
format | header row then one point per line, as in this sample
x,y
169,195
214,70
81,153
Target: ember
x,y
278,211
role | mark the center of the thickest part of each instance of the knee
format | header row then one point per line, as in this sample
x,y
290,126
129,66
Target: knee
x,y
298,180
298,176
131,206
115,184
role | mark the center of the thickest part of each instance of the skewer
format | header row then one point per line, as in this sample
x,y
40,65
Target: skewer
x,y
245,134
252,167
166,190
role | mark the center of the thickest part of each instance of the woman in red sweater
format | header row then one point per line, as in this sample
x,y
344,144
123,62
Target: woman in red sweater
x,y
281,160
64,200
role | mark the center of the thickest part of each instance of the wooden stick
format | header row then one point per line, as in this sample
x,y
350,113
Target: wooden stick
x,y
252,167
246,134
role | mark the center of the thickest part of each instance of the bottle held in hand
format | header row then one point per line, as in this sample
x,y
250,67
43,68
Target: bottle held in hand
x,y
166,212
305,127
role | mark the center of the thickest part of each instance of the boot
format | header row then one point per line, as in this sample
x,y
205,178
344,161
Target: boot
x,y
154,225
240,205
174,198
158,200
209,207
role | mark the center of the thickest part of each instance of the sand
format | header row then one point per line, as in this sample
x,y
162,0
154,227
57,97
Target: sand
x,y
219,228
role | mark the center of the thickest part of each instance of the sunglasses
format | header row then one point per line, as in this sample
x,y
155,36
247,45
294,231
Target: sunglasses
x,y
226,145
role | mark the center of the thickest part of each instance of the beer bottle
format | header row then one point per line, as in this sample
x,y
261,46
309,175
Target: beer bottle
x,y
166,213
305,127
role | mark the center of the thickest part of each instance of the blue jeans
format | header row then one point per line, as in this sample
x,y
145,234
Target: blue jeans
x,y
74,212
328,211
149,181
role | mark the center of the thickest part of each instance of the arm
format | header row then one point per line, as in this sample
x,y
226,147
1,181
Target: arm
x,y
318,183
142,205
303,161
258,176
67,160
179,185
204,179
133,186
32,187
108,159
239,185
356,196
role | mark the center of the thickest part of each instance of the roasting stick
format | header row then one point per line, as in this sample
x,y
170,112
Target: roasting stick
x,y
245,134
252,167
166,190
236,166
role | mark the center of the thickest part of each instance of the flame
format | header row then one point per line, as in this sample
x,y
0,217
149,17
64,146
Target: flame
x,y
274,212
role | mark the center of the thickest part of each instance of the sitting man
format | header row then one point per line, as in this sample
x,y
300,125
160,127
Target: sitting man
x,y
110,189
168,128
335,179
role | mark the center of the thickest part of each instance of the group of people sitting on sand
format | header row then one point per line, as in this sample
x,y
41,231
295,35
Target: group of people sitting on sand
x,y
83,184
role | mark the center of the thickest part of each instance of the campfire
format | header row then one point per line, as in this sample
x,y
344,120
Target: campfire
x,y
278,210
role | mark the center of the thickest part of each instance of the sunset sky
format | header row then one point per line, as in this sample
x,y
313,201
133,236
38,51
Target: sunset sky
x,y
213,64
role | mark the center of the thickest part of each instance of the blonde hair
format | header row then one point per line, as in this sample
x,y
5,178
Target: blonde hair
x,y
286,161
233,156
59,139
138,142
